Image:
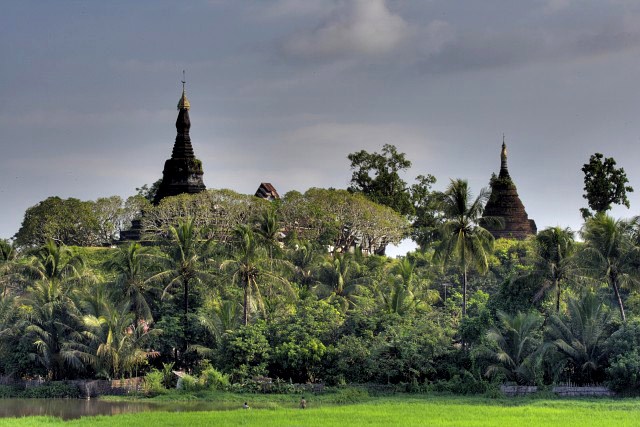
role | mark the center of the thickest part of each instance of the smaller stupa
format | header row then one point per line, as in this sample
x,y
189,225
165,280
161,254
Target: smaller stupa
x,y
183,171
505,203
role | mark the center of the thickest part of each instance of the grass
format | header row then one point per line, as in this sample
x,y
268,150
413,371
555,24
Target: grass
x,y
406,410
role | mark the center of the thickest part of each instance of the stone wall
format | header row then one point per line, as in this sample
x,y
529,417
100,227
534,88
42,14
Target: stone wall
x,y
590,391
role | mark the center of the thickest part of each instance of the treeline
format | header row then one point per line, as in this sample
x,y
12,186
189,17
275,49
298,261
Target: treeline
x,y
298,290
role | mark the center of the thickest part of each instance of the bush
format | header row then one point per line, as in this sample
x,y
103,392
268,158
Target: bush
x,y
188,383
152,384
52,390
7,391
624,373
212,379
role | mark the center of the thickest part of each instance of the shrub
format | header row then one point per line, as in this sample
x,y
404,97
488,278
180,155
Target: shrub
x,y
188,383
212,379
53,390
7,391
624,373
152,384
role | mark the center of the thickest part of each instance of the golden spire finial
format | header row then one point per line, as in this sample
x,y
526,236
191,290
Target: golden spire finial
x,y
183,104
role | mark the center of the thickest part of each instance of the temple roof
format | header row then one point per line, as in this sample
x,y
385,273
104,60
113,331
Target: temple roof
x,y
267,191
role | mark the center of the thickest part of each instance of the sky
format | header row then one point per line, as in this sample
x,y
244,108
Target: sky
x,y
282,91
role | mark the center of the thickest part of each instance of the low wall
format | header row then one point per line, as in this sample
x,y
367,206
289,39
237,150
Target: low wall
x,y
518,390
591,391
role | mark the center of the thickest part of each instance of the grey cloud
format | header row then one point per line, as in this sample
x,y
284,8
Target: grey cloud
x,y
517,47
361,27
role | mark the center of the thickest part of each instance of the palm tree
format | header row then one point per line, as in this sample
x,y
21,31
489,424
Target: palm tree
x,y
247,267
515,346
555,264
580,337
130,280
185,259
268,230
340,277
8,265
53,262
609,253
53,323
53,313
402,294
116,335
462,235
305,260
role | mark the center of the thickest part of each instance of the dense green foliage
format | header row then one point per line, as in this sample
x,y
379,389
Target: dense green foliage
x,y
604,185
241,292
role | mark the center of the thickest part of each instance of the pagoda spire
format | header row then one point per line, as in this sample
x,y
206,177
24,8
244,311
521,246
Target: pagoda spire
x,y
504,170
183,171
183,103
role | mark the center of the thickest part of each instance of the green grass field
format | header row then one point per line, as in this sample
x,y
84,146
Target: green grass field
x,y
386,411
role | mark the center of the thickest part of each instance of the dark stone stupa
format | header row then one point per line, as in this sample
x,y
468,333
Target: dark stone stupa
x,y
505,203
183,171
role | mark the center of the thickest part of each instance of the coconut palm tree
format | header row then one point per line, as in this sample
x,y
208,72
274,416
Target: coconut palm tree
x,y
184,266
463,239
131,273
247,268
55,263
9,268
609,253
53,318
54,326
117,337
340,276
268,231
555,264
580,337
403,292
515,342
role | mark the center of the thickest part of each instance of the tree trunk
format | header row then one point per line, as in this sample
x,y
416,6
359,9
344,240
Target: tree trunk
x,y
616,290
246,303
464,292
185,318
557,286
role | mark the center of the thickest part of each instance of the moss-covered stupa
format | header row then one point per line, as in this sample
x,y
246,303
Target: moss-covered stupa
x,y
505,203
183,171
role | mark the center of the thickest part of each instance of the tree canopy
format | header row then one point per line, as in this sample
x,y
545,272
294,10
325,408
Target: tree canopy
x,y
604,185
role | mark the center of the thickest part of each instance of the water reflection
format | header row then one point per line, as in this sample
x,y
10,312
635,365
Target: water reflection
x,y
76,408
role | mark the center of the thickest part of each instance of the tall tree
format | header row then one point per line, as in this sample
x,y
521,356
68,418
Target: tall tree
x,y
428,213
377,176
131,278
184,266
555,262
604,185
68,221
247,268
609,253
463,239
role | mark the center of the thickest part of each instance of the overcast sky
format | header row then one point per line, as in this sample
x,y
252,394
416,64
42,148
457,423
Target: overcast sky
x,y
282,90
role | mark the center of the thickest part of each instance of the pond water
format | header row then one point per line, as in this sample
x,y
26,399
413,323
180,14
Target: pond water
x,y
76,408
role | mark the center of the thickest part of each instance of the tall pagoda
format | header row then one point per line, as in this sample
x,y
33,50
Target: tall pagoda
x,y
505,203
183,171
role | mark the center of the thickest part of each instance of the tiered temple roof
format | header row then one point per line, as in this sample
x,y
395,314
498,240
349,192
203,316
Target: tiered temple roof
x,y
505,203
183,171
267,191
